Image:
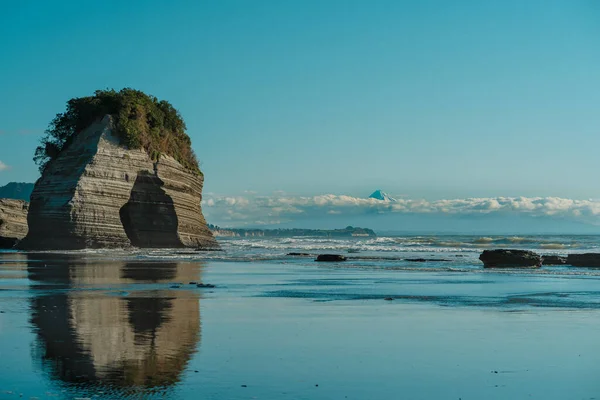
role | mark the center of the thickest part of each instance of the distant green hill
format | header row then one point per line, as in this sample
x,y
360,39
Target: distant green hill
x,y
346,232
16,190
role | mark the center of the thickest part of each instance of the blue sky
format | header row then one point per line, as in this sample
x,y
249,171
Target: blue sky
x,y
426,100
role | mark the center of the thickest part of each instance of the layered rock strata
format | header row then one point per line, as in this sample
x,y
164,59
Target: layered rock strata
x,y
97,193
13,222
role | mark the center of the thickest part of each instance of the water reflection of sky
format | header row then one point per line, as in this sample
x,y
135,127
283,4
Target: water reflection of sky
x,y
83,327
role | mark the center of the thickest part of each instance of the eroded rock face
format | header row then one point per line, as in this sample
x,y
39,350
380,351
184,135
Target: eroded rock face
x,y
13,222
97,193
502,258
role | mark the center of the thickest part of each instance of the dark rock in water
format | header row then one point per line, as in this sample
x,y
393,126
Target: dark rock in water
x,y
205,286
330,257
584,260
298,254
13,222
554,260
388,299
193,283
424,259
504,258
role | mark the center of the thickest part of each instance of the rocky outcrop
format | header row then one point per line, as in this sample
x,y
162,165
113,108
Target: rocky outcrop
x,y
554,260
584,260
503,258
96,193
330,257
13,222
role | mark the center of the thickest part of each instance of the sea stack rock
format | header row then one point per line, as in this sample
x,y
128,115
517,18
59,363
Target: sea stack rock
x,y
502,258
97,193
13,222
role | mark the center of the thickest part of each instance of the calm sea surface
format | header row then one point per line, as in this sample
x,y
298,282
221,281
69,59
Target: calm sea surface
x,y
131,324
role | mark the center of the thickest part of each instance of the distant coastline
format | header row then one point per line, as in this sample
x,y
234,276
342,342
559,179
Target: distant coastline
x,y
16,190
349,231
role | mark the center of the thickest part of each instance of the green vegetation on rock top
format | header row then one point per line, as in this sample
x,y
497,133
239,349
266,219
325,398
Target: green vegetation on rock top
x,y
141,121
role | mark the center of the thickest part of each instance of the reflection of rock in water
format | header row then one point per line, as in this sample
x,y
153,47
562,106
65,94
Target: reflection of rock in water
x,y
90,336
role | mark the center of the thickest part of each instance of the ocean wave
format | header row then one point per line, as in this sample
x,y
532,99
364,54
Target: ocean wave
x,y
371,250
398,245
554,246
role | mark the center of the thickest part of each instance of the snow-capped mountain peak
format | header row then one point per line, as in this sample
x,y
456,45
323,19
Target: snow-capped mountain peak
x,y
381,195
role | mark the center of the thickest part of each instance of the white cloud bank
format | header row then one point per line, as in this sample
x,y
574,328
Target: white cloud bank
x,y
3,167
255,210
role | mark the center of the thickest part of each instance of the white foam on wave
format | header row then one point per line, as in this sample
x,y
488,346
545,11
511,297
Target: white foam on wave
x,y
340,245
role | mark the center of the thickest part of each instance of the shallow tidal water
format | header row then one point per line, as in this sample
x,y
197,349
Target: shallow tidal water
x,y
108,326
